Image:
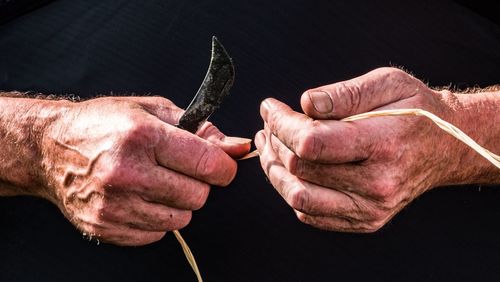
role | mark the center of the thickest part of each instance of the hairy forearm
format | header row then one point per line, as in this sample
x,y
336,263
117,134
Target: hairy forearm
x,y
478,116
23,122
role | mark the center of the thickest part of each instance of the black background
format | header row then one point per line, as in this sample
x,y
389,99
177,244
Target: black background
x,y
246,232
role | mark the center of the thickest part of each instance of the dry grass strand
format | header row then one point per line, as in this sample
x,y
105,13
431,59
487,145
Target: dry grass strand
x,y
444,125
188,254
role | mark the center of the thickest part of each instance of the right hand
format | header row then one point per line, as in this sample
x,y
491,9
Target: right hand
x,y
122,173
355,176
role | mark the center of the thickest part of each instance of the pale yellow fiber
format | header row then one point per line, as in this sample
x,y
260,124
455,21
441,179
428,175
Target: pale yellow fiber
x,y
444,125
188,254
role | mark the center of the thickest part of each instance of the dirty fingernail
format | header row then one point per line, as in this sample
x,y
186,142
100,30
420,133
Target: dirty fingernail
x,y
321,101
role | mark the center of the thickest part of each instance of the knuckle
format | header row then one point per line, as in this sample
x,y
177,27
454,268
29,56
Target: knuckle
x,y
109,175
277,117
104,210
384,190
396,75
399,74
205,167
139,132
351,95
294,165
113,176
390,72
213,165
299,198
101,214
158,100
209,131
97,209
304,218
309,145
135,128
153,103
200,197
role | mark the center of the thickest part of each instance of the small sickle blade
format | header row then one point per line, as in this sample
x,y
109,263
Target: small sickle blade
x,y
214,88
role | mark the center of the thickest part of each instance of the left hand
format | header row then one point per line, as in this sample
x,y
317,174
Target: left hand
x,y
355,176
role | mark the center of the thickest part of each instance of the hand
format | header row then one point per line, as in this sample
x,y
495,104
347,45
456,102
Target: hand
x,y
122,173
355,176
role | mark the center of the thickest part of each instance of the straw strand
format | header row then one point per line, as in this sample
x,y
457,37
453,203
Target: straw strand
x,y
188,254
444,125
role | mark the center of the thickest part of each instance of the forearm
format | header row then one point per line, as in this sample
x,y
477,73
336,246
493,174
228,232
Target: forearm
x,y
23,122
478,116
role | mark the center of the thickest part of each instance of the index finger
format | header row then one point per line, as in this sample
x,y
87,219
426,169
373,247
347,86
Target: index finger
x,y
325,141
191,155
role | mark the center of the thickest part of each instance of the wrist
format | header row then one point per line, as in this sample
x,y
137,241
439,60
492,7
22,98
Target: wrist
x,y
23,124
477,116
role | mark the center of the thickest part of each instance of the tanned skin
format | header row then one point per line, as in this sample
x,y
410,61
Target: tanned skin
x,y
117,167
355,176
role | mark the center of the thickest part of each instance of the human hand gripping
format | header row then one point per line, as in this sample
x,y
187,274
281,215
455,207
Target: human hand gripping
x,y
355,176
119,169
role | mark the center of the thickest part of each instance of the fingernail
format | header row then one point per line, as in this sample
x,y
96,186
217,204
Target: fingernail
x,y
264,109
321,101
260,139
237,140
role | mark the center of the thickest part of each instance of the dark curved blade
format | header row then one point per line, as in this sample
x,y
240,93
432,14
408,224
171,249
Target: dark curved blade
x,y
214,88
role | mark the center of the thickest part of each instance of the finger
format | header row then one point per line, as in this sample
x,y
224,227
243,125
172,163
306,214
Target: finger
x,y
299,194
260,141
158,184
156,217
235,147
335,223
144,215
350,178
119,234
361,94
191,155
164,186
213,171
347,177
136,238
325,141
168,112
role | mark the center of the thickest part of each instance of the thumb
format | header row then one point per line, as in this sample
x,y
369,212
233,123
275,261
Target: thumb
x,y
235,147
375,89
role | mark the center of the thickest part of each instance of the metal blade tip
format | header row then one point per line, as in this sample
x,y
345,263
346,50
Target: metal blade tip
x,y
216,43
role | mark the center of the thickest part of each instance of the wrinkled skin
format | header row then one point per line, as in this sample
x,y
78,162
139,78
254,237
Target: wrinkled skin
x,y
355,176
121,171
